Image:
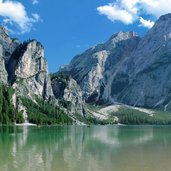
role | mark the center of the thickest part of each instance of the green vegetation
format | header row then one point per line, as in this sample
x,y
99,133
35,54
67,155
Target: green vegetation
x,y
45,113
135,117
8,114
64,77
94,121
65,104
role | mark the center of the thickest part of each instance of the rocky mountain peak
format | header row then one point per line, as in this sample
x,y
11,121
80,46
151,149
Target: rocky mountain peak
x,y
120,38
154,46
127,68
165,17
8,44
146,80
32,60
96,67
123,35
35,46
28,70
3,31
161,29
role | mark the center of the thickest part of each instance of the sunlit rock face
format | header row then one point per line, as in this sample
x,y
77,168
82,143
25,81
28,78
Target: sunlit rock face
x,y
29,71
94,69
7,47
23,66
8,44
3,72
149,67
127,69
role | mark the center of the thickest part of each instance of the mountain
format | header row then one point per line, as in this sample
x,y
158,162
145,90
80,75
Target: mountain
x,y
3,72
25,70
149,69
128,69
28,70
24,66
113,82
7,47
68,93
95,69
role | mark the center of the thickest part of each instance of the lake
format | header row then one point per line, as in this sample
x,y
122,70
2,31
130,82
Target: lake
x,y
82,148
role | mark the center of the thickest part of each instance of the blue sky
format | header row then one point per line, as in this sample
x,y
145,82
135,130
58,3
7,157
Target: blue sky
x,y
67,28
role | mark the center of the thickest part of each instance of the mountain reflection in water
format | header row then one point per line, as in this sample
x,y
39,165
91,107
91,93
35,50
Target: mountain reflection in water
x,y
94,148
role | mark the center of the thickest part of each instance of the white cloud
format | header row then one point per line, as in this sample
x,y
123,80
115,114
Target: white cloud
x,y
156,7
34,2
129,11
14,14
35,18
146,23
113,12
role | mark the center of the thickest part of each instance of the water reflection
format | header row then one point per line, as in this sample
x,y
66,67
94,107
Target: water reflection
x,y
76,148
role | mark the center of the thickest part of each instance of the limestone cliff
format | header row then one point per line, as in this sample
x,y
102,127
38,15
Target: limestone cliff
x,y
28,71
3,72
127,69
68,92
146,80
95,69
8,44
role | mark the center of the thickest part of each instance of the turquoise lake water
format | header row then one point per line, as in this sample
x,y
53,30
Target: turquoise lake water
x,y
82,148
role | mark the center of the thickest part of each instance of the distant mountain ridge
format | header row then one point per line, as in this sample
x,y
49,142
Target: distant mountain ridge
x,y
128,69
125,70
24,68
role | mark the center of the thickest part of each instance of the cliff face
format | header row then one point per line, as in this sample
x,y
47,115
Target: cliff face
x,y
95,69
127,69
24,67
7,47
3,72
8,44
69,94
29,71
149,68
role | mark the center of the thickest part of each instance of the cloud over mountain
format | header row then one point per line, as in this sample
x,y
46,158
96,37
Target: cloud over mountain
x,y
128,11
14,15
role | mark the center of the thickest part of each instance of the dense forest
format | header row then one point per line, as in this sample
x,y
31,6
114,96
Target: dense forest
x,y
45,113
8,113
135,117
41,113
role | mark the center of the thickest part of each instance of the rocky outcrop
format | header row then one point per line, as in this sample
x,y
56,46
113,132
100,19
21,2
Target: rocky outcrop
x,y
23,65
149,68
29,71
127,69
8,44
68,92
7,47
95,69
3,72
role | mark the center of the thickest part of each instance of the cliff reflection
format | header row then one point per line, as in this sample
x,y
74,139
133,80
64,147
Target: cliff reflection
x,y
74,148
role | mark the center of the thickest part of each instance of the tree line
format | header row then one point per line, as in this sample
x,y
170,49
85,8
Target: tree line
x,y
45,112
8,113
